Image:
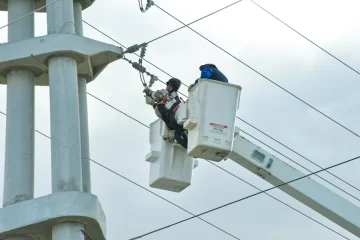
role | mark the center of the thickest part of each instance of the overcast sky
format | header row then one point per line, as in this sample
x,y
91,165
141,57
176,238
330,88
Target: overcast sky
x,y
266,45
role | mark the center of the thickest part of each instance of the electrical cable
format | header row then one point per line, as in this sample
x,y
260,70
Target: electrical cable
x,y
237,116
273,150
332,184
331,55
138,185
265,134
298,211
226,171
143,80
141,5
271,81
123,46
166,200
116,109
16,20
197,20
244,198
225,52
300,156
259,189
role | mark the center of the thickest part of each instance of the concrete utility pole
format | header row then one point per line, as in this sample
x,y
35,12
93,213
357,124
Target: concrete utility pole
x,y
65,61
65,119
19,150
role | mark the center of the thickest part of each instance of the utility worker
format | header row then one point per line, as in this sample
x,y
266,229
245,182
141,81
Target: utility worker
x,y
210,71
165,103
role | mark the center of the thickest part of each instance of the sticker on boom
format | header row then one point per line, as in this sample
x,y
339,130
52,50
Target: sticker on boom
x,y
218,128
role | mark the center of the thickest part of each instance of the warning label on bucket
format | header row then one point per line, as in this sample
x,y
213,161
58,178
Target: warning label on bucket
x,y
218,128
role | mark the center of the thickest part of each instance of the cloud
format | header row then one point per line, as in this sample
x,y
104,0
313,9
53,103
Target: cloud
x,y
262,43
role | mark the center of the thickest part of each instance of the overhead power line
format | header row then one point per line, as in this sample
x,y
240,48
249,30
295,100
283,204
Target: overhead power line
x,y
160,80
244,198
30,13
247,124
166,200
331,55
187,85
276,84
116,109
332,184
226,171
284,203
197,20
187,25
147,126
351,185
254,128
138,185
143,124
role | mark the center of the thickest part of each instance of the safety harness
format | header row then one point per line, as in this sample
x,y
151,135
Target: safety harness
x,y
168,116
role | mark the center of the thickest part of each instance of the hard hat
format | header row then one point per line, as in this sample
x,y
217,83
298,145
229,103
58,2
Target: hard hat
x,y
207,65
176,83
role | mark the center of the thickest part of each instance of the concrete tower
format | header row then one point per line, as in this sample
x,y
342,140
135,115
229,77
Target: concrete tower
x,y
65,61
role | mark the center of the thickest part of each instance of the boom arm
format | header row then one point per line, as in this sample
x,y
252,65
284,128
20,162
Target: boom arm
x,y
306,190
211,129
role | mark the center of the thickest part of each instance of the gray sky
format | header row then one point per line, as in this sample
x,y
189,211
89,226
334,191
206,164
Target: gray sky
x,y
265,44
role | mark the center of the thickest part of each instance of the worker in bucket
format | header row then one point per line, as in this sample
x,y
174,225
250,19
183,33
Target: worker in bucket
x,y
210,71
165,103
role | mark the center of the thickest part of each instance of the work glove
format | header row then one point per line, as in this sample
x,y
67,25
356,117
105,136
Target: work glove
x,y
149,101
191,86
148,91
157,94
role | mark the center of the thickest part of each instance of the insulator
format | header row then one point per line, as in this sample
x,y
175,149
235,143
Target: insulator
x,y
133,48
138,67
143,51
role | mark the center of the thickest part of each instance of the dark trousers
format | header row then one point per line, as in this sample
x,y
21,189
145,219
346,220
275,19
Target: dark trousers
x,y
169,119
181,138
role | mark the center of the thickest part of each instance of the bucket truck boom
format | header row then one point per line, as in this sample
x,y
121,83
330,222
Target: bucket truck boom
x,y
209,116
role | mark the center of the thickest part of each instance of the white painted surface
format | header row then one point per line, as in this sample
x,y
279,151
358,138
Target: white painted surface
x,y
213,105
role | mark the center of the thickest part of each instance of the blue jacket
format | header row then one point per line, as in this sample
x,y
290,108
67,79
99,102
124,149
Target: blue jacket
x,y
210,71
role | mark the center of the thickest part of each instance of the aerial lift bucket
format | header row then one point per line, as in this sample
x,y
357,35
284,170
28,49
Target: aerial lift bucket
x,y
170,166
211,113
